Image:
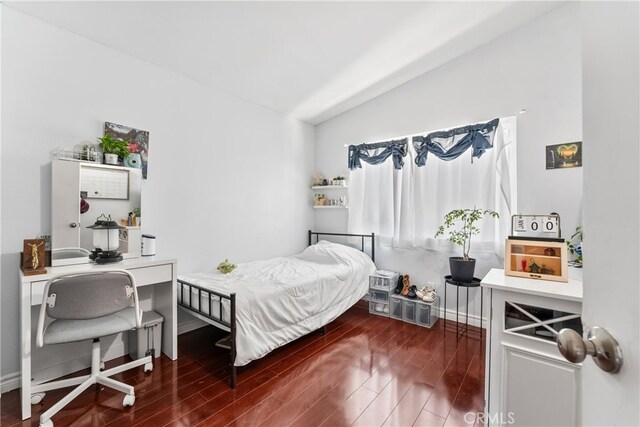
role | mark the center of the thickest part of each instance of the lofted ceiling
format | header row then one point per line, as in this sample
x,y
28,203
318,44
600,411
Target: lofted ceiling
x,y
313,60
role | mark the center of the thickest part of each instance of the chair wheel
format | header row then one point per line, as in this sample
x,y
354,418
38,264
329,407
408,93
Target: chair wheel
x,y
148,367
129,400
102,366
47,423
37,398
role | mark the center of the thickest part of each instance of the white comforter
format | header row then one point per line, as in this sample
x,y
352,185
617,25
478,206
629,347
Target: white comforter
x,y
281,299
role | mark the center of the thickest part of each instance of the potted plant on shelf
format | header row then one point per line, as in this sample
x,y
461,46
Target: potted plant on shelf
x,y
339,180
460,224
112,148
575,246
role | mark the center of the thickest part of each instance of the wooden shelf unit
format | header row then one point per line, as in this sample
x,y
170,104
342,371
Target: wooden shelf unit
x,y
550,267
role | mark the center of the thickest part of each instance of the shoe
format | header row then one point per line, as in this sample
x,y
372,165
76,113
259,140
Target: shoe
x,y
430,295
420,293
399,285
412,292
406,284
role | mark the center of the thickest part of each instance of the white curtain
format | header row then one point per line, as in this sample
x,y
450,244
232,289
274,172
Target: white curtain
x,y
405,207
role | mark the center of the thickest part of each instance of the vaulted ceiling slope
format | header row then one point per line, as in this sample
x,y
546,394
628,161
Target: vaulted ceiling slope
x,y
313,60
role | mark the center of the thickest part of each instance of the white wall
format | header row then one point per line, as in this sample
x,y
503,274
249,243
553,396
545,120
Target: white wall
x,y
536,67
227,178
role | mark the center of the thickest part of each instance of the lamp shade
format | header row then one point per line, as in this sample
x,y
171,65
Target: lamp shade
x,y
106,234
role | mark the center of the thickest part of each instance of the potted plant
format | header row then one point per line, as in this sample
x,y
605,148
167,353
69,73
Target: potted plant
x,y
339,180
575,246
112,148
460,224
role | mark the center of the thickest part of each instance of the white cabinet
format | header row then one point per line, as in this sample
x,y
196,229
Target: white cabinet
x,y
528,382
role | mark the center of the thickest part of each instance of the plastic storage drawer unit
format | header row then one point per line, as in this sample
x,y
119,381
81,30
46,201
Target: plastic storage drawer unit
x,y
378,296
427,313
147,339
383,282
379,308
396,307
409,311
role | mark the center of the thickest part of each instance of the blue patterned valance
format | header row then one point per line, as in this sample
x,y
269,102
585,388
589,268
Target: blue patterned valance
x,y
372,153
450,144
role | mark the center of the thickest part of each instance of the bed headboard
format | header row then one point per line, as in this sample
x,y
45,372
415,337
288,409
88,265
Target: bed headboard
x,y
371,236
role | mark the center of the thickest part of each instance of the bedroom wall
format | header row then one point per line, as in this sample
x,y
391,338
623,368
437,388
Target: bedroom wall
x,y
536,67
227,178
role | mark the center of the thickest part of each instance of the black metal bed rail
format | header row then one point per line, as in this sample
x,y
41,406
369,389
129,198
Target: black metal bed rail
x,y
371,236
231,324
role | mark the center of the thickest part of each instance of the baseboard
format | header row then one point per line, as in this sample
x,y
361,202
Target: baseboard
x,y
474,320
9,382
12,381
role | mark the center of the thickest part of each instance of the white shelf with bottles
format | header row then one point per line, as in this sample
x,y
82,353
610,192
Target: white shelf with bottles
x,y
329,187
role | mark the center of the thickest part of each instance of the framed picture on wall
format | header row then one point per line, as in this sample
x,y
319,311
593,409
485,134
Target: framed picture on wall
x,y
137,139
560,156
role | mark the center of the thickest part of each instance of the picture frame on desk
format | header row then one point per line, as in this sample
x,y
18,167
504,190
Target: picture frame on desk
x,y
33,259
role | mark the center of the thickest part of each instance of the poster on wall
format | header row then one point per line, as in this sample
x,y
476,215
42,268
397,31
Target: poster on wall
x,y
137,139
562,156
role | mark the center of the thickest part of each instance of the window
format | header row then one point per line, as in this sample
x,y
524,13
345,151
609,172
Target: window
x,y
405,206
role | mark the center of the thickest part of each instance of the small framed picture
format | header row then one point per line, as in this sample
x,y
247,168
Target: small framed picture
x,y
561,156
33,257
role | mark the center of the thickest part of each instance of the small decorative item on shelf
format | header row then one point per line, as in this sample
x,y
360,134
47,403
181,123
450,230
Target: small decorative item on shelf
x,y
317,179
462,221
113,148
339,180
89,153
33,257
319,199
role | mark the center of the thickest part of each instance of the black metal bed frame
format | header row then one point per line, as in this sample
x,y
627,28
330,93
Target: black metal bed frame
x,y
230,325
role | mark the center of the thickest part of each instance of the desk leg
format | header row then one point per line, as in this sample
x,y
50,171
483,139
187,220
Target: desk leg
x,y
165,303
25,349
164,295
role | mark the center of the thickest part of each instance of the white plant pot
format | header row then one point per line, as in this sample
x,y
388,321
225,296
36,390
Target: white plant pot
x,y
111,159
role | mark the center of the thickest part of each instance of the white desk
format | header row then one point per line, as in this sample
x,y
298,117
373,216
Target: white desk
x,y
156,279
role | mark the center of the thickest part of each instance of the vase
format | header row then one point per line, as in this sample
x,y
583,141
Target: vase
x,y
462,270
110,159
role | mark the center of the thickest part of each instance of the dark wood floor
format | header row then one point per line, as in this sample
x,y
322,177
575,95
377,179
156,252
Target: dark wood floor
x,y
366,371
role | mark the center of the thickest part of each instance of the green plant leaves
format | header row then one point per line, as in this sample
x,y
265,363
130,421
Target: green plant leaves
x,y
462,221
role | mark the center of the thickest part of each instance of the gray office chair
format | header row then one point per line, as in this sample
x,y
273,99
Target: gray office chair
x,y
88,306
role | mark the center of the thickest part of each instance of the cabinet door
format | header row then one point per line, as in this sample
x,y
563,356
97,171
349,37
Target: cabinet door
x,y
65,204
538,390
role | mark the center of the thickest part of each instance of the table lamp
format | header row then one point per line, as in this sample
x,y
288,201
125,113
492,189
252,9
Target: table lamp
x,y
106,239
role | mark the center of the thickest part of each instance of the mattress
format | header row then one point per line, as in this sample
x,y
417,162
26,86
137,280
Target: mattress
x,y
281,299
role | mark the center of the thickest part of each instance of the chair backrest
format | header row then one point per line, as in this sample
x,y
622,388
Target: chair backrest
x,y
89,295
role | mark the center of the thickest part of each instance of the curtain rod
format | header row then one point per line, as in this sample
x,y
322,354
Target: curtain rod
x,y
521,111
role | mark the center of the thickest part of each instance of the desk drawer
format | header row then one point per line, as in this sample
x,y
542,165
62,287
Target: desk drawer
x,y
152,275
143,275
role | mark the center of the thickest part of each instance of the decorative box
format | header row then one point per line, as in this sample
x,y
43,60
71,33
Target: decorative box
x,y
536,259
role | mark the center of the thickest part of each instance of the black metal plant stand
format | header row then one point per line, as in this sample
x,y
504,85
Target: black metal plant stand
x,y
464,328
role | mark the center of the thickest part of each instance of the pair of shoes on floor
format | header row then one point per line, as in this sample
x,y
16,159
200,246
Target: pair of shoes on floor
x,y
399,285
427,294
406,285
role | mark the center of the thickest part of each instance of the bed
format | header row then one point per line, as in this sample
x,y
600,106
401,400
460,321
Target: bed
x,y
266,304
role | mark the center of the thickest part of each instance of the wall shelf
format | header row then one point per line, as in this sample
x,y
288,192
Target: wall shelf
x,y
329,187
330,207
